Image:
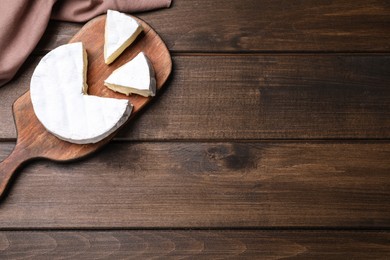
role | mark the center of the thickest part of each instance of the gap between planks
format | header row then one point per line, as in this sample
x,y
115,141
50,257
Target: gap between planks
x,y
265,229
261,53
263,140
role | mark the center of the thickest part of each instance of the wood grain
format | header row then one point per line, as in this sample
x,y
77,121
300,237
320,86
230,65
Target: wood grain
x,y
185,184
259,89
262,26
258,97
241,244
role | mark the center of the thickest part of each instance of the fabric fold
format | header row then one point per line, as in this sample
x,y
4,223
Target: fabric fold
x,y
23,22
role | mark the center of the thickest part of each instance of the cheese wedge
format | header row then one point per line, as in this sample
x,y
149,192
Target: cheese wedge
x,y
60,101
136,76
120,31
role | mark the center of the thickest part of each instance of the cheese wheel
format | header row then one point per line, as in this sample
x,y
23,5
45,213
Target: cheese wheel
x,y
60,101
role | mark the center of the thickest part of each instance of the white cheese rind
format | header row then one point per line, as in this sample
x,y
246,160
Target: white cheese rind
x,y
58,94
120,31
134,77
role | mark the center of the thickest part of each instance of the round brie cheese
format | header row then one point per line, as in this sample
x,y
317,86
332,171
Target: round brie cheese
x,y
59,97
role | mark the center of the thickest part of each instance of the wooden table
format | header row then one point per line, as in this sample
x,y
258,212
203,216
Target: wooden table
x,y
271,140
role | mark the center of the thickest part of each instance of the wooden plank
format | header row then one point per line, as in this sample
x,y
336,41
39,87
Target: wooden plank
x,y
262,26
243,244
257,97
184,184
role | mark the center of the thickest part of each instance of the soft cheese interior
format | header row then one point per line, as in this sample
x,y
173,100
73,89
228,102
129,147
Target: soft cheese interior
x,y
136,76
60,101
120,31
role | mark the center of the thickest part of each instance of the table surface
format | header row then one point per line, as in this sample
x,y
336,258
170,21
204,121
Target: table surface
x,y
270,140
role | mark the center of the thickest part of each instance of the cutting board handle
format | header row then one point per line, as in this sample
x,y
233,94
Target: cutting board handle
x,y
9,166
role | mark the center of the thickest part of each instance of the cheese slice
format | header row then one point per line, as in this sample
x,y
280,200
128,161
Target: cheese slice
x,y
120,31
60,101
136,76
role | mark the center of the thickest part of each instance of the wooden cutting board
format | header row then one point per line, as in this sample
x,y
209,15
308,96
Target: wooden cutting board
x,y
35,142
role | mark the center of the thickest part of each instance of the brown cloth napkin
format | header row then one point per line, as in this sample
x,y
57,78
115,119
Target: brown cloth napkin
x,y
23,22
